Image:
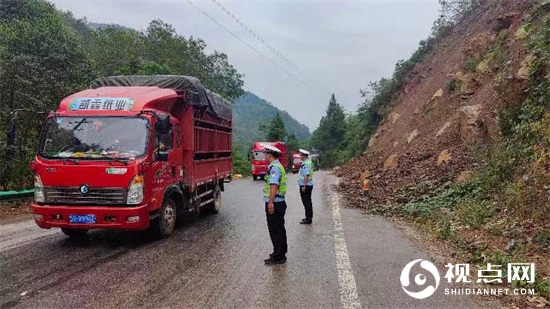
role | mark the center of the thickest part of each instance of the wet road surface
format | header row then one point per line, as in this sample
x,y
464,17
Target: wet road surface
x,y
345,259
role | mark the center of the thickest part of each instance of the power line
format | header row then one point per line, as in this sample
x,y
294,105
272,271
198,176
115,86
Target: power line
x,y
246,43
266,44
242,41
238,38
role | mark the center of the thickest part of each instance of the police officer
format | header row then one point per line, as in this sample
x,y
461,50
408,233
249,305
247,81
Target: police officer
x,y
275,205
305,182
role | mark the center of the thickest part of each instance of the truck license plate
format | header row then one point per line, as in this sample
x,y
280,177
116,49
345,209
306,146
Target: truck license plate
x,y
88,219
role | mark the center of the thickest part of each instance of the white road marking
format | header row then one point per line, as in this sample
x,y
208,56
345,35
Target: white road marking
x,y
348,290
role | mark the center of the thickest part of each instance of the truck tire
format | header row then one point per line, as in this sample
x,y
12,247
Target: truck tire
x,y
217,204
164,224
214,207
75,233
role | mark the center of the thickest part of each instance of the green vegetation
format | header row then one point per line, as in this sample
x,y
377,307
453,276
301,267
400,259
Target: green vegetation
x,y
274,130
448,197
453,85
474,213
330,137
240,163
470,64
46,55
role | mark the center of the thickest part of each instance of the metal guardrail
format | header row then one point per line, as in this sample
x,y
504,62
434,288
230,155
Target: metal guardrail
x,y
6,196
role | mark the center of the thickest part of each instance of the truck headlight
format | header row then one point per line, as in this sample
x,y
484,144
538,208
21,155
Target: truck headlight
x,y
39,196
135,191
252,167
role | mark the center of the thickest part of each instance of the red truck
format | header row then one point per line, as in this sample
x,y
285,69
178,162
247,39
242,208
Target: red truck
x,y
257,158
296,162
132,152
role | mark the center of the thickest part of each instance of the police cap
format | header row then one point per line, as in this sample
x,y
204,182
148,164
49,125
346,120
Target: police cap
x,y
271,149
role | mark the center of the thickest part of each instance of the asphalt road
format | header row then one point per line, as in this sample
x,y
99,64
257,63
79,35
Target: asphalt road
x,y
344,260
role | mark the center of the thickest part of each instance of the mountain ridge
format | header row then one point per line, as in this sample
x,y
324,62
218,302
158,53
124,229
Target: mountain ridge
x,y
246,129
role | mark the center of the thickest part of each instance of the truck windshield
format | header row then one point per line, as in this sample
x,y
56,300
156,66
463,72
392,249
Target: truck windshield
x,y
94,137
258,155
297,160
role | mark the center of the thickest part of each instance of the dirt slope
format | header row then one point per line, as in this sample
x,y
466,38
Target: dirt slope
x,y
447,107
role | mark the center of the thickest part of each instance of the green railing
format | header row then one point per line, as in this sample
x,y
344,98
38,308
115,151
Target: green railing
x,y
15,195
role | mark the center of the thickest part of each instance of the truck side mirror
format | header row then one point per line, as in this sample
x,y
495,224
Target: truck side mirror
x,y
163,124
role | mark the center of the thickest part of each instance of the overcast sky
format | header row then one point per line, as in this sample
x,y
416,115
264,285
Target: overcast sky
x,y
339,45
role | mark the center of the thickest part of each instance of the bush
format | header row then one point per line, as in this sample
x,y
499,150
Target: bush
x,y
240,164
471,64
453,85
499,164
542,239
428,206
474,212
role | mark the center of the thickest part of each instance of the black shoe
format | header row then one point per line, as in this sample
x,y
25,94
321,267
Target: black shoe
x,y
306,221
274,261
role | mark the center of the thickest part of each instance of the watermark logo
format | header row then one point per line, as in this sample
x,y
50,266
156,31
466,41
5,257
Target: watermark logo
x,y
460,273
420,279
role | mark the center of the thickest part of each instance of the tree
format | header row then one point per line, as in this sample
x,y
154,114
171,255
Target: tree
x,y
330,136
292,142
41,61
275,130
116,50
187,56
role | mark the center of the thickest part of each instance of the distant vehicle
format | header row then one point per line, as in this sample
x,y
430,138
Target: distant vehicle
x,y
296,162
258,163
131,153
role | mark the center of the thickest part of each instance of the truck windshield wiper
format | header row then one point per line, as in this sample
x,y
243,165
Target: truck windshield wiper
x,y
65,160
125,162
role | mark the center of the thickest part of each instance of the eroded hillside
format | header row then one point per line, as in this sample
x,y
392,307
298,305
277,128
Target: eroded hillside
x,y
464,150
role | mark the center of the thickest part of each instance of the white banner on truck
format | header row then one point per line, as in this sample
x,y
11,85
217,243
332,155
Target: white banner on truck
x,y
102,103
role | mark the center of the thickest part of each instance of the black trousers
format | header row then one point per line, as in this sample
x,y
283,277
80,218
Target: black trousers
x,y
306,200
277,231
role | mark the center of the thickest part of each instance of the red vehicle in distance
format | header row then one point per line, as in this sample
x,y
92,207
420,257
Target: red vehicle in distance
x,y
257,158
296,162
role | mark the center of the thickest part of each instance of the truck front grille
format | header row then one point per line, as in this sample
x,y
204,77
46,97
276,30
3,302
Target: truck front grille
x,y
96,196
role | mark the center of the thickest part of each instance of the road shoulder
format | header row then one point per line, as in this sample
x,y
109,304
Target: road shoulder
x,y
380,248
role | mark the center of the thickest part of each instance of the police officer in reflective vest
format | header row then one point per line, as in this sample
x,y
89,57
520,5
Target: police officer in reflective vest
x,y
275,205
305,181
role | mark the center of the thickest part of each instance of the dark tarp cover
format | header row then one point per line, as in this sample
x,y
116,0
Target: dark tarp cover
x,y
198,95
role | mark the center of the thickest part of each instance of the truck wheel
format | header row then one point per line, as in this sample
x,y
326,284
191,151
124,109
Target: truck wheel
x,y
214,206
217,204
75,233
164,225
